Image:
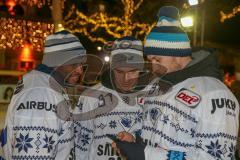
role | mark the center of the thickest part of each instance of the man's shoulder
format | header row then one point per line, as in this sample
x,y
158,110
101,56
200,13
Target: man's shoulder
x,y
206,82
206,85
35,79
35,85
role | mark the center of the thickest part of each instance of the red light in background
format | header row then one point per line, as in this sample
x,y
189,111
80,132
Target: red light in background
x,y
11,4
228,79
26,54
26,59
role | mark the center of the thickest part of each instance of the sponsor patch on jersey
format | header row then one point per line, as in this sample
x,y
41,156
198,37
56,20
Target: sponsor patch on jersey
x,y
140,101
176,155
228,104
188,98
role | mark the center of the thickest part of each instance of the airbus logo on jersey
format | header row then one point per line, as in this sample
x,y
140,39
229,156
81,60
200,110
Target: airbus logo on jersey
x,y
37,105
188,98
223,103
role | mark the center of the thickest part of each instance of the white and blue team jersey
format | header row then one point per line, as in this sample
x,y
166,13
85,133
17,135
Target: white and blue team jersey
x,y
32,128
196,120
90,137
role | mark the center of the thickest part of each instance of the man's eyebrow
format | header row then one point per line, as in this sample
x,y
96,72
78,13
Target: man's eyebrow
x,y
133,70
127,71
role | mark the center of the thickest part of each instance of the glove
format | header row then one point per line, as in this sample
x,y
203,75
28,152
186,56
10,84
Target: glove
x,y
132,150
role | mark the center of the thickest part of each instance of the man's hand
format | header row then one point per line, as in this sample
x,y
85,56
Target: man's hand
x,y
123,136
132,150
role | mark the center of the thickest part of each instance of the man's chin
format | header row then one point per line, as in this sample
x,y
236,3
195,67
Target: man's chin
x,y
73,80
126,89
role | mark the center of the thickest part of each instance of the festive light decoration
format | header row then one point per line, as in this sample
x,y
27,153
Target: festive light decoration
x,y
10,4
38,3
115,27
194,2
224,16
14,33
26,54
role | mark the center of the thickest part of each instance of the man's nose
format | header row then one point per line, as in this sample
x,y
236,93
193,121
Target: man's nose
x,y
152,60
79,68
126,77
150,57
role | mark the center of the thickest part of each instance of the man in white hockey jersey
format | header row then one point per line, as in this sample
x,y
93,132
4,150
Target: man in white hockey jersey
x,y
198,118
32,128
120,81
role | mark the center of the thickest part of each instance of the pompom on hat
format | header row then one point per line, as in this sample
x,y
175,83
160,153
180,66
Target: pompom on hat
x,y
167,38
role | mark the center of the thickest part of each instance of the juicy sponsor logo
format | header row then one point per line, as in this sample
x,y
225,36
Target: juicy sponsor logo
x,y
188,98
223,103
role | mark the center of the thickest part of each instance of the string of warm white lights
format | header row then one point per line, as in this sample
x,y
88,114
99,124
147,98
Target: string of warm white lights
x,y
224,16
115,27
14,33
38,3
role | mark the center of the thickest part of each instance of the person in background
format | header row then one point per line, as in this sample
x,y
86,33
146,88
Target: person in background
x,y
8,93
198,118
32,128
122,81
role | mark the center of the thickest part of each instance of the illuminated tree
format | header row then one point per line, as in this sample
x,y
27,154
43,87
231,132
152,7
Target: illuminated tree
x,y
113,26
38,3
234,12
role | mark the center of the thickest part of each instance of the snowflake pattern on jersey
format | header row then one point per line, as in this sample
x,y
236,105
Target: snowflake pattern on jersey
x,y
23,143
215,149
85,139
113,124
48,143
232,150
139,117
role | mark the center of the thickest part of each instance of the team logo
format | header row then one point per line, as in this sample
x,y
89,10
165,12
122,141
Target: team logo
x,y
125,44
127,122
188,98
155,113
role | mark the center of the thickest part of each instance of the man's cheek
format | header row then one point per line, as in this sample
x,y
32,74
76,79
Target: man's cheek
x,y
132,76
73,79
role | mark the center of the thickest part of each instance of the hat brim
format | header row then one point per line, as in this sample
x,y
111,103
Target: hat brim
x,y
81,59
127,59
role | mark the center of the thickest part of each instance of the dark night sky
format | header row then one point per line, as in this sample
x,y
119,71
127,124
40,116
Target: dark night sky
x,y
227,33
